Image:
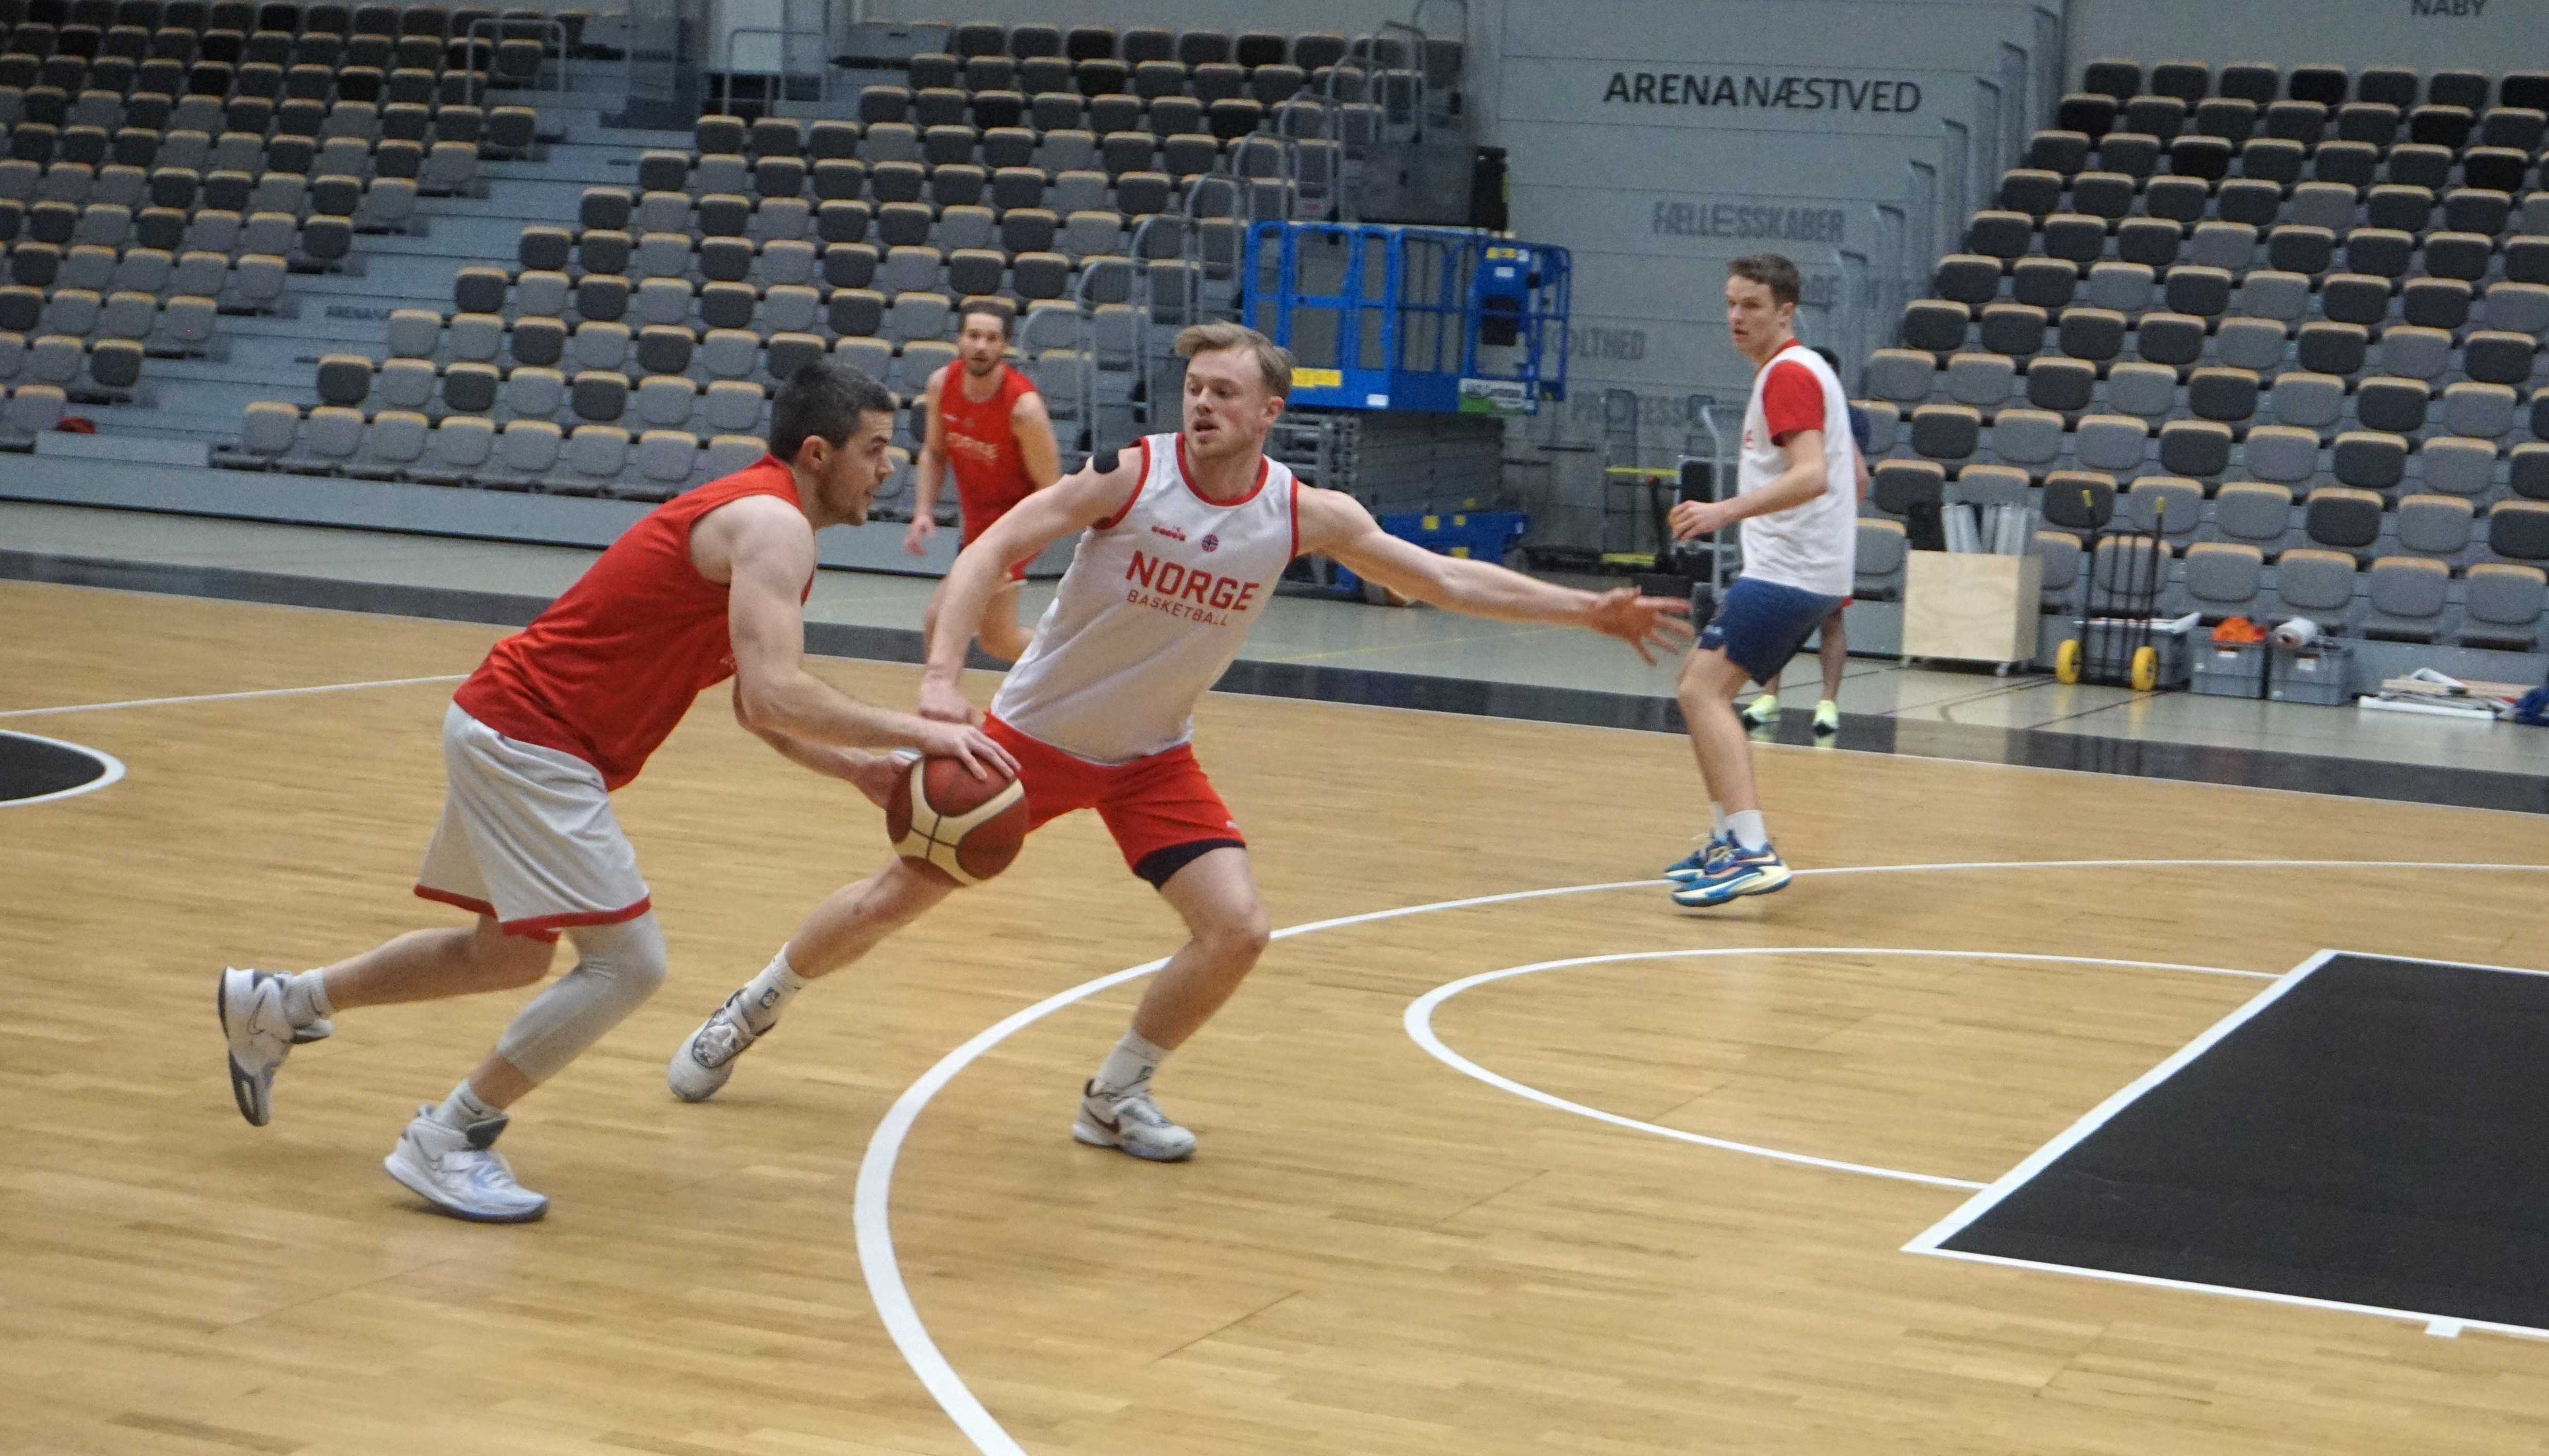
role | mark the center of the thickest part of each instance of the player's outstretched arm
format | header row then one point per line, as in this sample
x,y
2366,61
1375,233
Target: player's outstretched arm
x,y
767,555
1801,482
1073,504
1336,526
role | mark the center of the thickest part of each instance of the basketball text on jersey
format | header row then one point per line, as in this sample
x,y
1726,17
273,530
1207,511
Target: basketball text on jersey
x,y
1186,593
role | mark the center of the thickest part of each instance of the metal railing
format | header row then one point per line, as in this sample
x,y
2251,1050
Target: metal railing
x,y
550,32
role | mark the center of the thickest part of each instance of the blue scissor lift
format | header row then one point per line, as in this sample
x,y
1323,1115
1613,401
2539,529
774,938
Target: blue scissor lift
x,y
1408,322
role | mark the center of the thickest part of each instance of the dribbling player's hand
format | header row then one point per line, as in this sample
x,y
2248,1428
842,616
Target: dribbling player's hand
x,y
1651,624
915,540
941,702
873,775
970,747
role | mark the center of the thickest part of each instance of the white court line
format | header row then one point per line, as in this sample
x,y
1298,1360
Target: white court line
x,y
1931,1239
1419,1021
871,1214
113,766
161,703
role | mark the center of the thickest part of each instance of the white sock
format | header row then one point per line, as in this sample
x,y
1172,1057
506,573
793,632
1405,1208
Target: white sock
x,y
1715,819
768,994
1129,1066
463,1109
304,998
1747,829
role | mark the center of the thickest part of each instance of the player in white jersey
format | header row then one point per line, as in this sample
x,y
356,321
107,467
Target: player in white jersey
x,y
1185,536
1795,500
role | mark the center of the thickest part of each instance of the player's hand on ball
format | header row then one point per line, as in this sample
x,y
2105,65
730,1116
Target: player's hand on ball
x,y
915,540
1692,519
1651,624
942,702
873,775
970,747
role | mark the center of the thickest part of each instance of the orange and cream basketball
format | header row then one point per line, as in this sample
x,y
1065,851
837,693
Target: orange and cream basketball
x,y
943,818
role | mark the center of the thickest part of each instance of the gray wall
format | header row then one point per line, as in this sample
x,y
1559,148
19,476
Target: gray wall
x,y
2491,36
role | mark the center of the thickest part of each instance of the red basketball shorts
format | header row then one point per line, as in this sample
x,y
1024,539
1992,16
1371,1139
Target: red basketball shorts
x,y
1162,810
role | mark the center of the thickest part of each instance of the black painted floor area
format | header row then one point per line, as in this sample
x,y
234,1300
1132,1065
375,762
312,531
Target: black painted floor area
x,y
30,768
2375,1136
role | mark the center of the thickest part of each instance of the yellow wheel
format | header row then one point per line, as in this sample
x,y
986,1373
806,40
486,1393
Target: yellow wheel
x,y
2066,663
2145,668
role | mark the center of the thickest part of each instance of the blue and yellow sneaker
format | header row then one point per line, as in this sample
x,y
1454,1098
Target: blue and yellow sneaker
x,y
1742,872
1700,863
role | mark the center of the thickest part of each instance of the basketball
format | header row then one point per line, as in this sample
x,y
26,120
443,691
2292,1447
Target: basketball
x,y
953,825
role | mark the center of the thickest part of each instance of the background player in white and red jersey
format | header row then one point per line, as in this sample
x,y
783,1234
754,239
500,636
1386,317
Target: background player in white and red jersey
x,y
1795,500
1185,537
706,587
987,425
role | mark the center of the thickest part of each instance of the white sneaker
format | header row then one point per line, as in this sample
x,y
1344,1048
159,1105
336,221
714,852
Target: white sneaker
x,y
1130,1122
457,1170
703,1062
260,1036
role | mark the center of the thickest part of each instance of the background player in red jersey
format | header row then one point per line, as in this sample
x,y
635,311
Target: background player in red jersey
x,y
1182,538
987,425
710,585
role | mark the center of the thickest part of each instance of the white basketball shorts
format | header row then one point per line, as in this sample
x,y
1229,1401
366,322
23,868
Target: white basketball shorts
x,y
527,836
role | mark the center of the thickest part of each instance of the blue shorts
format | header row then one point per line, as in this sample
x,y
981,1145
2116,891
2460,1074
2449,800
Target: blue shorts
x,y
1760,626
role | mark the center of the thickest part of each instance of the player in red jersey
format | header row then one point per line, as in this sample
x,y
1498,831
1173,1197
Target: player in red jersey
x,y
987,425
709,585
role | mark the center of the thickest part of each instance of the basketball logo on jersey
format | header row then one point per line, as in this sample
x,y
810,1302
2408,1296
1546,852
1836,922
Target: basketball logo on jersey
x,y
987,452
1211,543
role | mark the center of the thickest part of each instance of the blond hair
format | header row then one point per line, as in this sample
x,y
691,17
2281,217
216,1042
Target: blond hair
x,y
1274,363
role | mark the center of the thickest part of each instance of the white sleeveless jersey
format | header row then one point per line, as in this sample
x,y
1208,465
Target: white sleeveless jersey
x,y
1812,547
1154,608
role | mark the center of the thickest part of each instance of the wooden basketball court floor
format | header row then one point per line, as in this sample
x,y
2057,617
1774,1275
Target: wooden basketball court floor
x,y
869,1245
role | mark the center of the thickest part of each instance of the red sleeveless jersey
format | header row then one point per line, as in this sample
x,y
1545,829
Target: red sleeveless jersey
x,y
612,666
983,448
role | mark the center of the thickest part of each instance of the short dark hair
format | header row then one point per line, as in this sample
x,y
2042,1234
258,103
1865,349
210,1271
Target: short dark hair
x,y
1772,272
827,400
994,308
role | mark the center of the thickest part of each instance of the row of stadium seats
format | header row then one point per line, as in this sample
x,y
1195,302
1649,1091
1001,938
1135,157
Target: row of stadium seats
x,y
2260,513
662,400
1268,85
520,454
248,17
896,143
2140,156
110,366
2306,123
2396,598
2501,351
2037,289
464,65
2115,199
98,128
1138,44
2081,240
2262,83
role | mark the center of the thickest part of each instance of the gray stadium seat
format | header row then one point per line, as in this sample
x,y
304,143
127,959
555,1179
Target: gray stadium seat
x,y
2504,606
2111,443
2464,468
666,401
2406,598
2148,390
1880,561
2318,584
2435,525
532,391
2222,578
2027,437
